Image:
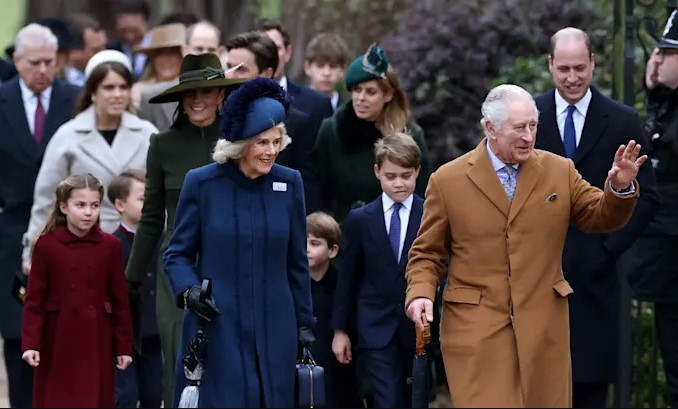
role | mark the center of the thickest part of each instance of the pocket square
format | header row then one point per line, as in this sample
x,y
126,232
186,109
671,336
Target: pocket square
x,y
551,198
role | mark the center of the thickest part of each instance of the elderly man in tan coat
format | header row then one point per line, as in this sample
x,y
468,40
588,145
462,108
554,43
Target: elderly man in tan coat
x,y
495,222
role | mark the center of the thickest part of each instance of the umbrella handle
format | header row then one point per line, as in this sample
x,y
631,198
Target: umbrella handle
x,y
423,337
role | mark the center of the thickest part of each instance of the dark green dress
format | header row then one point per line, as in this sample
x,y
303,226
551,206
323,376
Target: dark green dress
x,y
344,150
170,155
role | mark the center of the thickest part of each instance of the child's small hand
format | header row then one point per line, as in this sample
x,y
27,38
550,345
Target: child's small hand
x,y
341,346
32,357
123,362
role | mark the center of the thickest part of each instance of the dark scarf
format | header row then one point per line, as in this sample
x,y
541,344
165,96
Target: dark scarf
x,y
355,134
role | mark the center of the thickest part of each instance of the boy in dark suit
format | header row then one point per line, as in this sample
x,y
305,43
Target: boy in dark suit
x,y
371,283
325,63
142,381
322,246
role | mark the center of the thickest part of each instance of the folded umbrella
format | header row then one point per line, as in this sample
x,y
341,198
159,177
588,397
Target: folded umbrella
x,y
196,356
420,368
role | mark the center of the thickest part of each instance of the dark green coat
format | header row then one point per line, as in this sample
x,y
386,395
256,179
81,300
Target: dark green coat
x,y
171,155
344,151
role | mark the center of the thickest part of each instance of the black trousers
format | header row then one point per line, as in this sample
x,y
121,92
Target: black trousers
x,y
142,381
19,375
589,395
666,321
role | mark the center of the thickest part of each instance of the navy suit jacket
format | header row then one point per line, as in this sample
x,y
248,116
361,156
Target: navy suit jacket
x,y
20,159
371,284
589,260
299,156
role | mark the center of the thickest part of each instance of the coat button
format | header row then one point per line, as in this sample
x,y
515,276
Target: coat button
x,y
72,287
149,275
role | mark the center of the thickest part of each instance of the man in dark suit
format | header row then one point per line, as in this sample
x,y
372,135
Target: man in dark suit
x,y
579,122
313,103
258,57
32,106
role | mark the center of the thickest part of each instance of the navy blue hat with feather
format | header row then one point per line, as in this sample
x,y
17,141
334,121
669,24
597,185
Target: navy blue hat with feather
x,y
256,106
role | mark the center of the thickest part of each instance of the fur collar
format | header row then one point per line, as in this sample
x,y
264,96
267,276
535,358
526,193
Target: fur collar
x,y
355,134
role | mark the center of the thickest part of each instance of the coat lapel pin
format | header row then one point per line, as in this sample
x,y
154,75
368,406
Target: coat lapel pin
x,y
279,187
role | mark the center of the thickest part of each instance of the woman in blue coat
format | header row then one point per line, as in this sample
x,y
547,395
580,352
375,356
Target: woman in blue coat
x,y
241,222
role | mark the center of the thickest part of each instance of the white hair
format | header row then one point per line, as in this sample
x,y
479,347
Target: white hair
x,y
227,150
34,35
495,105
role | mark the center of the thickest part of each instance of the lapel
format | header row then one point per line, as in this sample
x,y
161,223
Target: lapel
x,y
482,174
377,227
529,174
594,125
548,134
15,113
412,228
125,145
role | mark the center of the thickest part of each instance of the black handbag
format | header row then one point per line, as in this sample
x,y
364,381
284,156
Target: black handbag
x,y
310,382
19,286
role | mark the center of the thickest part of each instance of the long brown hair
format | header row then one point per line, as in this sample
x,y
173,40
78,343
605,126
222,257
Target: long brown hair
x,y
96,77
396,113
63,193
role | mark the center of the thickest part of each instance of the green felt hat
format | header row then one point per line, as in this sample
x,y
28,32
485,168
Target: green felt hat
x,y
197,72
370,66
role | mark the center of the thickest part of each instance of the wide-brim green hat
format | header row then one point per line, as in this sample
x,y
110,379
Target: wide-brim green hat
x,y
198,72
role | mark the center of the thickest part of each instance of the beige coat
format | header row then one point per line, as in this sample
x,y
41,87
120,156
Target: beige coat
x,y
504,326
77,147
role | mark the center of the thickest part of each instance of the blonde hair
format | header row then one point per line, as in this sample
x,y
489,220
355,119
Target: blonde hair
x,y
396,113
227,150
63,193
399,148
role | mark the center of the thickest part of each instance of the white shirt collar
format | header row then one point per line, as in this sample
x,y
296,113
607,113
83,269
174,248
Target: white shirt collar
x,y
582,105
28,96
283,82
334,99
496,163
388,203
126,227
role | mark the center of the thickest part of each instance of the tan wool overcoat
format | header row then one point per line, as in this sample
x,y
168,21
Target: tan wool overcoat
x,y
505,328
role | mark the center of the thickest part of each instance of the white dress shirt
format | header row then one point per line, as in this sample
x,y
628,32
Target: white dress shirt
x,y
578,116
334,99
404,213
31,103
283,82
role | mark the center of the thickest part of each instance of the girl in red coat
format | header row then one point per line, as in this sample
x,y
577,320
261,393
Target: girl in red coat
x,y
76,323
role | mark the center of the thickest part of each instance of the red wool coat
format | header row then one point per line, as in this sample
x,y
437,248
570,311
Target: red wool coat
x,y
76,313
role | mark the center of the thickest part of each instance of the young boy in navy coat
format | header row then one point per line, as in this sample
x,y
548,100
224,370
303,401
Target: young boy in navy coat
x,y
142,381
371,283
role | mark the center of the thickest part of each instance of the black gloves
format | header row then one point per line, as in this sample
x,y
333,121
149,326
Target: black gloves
x,y
205,308
306,337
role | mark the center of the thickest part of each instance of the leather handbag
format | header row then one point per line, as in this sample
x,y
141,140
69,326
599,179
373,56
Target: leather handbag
x,y
310,382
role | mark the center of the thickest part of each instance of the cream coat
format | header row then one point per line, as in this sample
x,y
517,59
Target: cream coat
x,y
77,147
504,326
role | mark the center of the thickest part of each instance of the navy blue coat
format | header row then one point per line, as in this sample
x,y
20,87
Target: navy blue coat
x,y
20,159
371,283
589,260
249,237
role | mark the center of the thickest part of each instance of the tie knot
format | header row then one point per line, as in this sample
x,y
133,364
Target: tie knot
x,y
397,206
571,109
510,170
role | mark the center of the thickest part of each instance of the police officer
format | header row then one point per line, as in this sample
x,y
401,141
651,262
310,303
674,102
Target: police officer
x,y
654,275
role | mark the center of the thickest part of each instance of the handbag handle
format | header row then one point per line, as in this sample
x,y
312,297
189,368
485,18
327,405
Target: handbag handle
x,y
306,357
